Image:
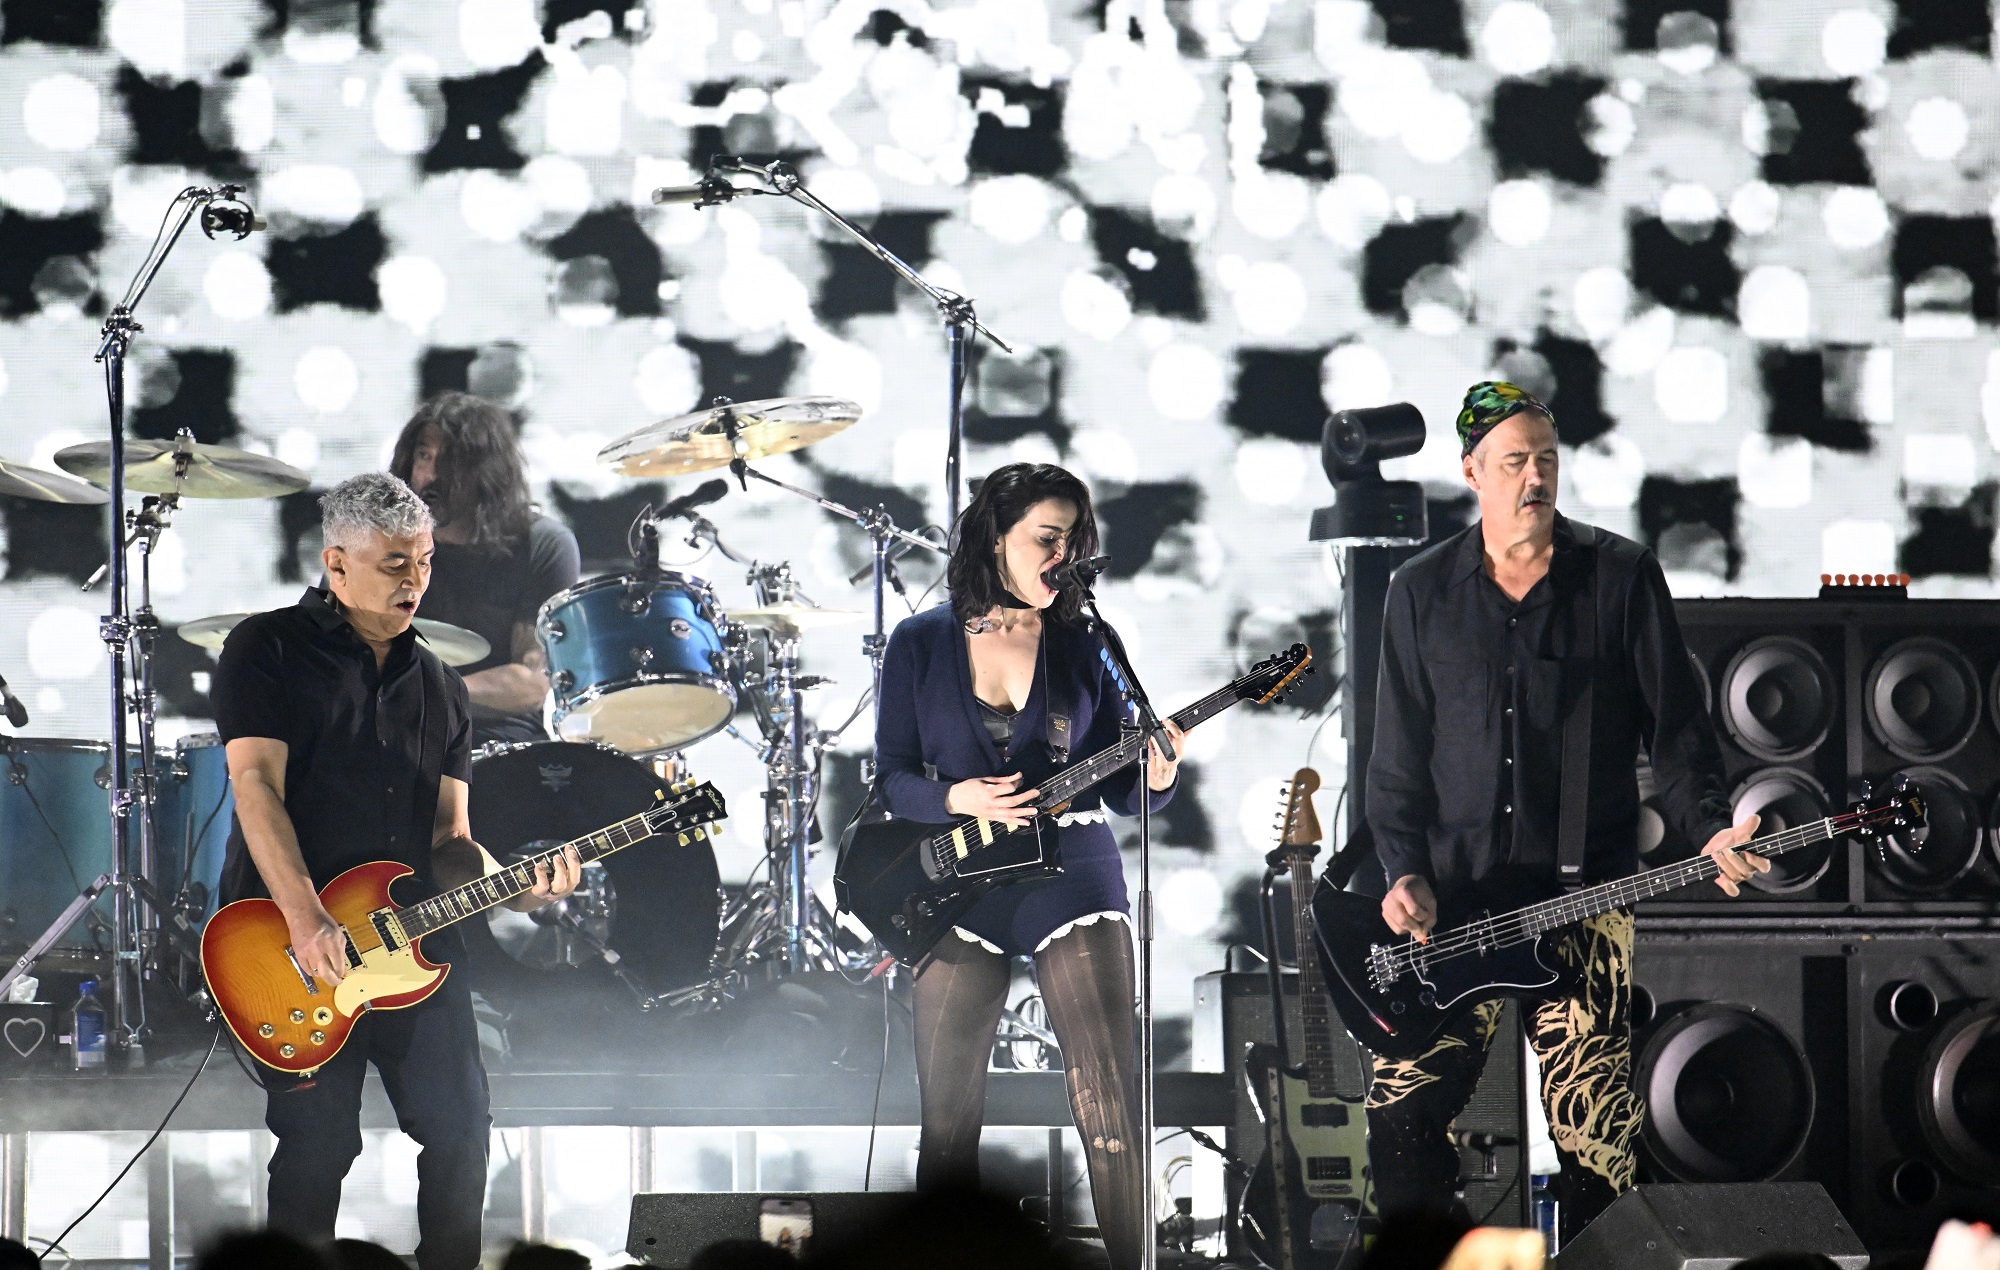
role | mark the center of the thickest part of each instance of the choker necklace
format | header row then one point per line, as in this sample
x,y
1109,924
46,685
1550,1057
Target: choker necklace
x,y
1008,600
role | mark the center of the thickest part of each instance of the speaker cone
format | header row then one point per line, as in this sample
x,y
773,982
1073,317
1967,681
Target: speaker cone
x,y
1777,698
1958,1094
1922,699
1932,859
1785,799
1729,1097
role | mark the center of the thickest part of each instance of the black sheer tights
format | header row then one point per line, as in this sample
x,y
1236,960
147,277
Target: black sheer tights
x,y
1086,979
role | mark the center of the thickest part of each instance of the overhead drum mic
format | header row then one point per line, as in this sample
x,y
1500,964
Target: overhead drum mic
x,y
712,190
232,216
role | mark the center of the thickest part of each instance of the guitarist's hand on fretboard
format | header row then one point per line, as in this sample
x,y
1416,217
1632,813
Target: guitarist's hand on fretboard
x,y
1736,868
993,798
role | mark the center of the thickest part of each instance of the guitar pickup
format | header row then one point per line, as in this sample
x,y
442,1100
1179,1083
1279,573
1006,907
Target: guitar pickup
x,y
1324,1115
388,930
1329,1168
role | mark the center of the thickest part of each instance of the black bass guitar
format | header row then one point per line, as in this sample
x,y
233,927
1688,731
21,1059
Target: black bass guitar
x,y
910,882
1303,1207
1396,994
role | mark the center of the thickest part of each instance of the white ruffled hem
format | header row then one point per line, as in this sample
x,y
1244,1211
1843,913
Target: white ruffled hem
x,y
1088,919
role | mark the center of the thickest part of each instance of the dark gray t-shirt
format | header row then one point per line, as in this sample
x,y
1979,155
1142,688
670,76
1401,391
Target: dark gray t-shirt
x,y
489,592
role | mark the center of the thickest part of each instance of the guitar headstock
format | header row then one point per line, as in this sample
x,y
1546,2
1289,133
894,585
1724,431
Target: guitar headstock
x,y
685,808
1268,680
1901,809
1298,825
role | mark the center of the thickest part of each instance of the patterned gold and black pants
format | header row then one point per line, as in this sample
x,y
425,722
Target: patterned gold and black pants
x,y
1584,1046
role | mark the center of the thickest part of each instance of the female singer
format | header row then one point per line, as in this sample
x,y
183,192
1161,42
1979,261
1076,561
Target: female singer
x,y
1005,677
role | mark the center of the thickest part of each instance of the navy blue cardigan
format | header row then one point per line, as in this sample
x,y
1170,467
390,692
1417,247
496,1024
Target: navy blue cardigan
x,y
929,737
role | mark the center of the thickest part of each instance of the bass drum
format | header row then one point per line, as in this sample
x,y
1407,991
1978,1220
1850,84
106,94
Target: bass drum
x,y
657,905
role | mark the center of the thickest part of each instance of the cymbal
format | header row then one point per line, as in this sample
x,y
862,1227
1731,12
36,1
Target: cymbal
x,y
700,441
454,645
793,616
213,471
18,480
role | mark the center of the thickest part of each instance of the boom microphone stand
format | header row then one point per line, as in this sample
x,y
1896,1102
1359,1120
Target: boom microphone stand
x,y
1147,725
955,310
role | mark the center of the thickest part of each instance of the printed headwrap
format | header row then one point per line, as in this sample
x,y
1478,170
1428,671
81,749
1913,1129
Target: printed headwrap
x,y
1486,404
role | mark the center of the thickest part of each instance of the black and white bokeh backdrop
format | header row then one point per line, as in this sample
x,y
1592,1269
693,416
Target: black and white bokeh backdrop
x,y
1745,247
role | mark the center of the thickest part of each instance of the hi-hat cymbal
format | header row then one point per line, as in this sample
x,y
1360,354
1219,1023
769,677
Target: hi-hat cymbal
x,y
210,471
702,441
454,645
18,480
793,616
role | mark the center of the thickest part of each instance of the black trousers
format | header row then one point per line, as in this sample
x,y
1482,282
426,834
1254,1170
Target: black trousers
x,y
1583,1044
428,1057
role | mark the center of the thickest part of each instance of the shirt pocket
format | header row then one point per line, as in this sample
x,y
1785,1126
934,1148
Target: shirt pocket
x,y
1462,689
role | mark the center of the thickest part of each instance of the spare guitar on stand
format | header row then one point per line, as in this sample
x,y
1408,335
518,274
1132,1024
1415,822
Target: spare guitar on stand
x,y
1307,1205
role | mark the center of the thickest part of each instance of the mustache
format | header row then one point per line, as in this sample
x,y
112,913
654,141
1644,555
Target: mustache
x,y
1536,497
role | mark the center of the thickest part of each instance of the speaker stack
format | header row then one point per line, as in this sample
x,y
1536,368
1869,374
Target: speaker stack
x,y
1840,1022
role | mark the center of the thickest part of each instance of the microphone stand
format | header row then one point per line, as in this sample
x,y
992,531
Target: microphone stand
x,y
955,310
1148,725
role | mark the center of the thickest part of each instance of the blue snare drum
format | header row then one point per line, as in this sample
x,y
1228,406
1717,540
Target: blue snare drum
x,y
637,663
55,836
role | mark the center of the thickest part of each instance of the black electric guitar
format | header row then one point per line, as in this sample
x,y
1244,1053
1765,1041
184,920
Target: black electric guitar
x,y
910,882
1396,994
1303,1205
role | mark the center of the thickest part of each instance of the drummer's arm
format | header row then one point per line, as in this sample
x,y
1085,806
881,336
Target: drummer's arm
x,y
456,859
518,686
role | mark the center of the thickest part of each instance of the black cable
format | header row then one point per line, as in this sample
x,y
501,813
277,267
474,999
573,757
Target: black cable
x,y
186,1089
875,1115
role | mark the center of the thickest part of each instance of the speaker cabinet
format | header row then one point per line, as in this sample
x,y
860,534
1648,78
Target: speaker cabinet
x,y
1708,1227
1812,699
669,1228
1739,1053
1925,1101
1232,1011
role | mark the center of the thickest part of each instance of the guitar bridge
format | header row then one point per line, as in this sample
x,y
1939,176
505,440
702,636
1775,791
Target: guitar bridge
x,y
1382,972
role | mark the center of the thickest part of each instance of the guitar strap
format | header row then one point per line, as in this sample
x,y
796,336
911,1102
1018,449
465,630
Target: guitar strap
x,y
1573,823
430,760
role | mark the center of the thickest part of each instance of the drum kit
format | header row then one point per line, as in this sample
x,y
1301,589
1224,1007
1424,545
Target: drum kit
x,y
642,666
647,664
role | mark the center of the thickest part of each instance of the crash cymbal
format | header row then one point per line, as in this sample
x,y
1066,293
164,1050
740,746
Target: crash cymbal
x,y
702,441
18,480
454,645
210,471
792,615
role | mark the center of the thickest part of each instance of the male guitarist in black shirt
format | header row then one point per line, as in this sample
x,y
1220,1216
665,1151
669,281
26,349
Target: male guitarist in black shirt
x,y
1483,652
347,743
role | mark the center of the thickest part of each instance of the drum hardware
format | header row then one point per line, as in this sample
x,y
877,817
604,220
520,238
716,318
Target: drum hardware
x,y
164,471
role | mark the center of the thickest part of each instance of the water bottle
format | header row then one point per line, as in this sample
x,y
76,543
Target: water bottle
x,y
86,1029
1547,1212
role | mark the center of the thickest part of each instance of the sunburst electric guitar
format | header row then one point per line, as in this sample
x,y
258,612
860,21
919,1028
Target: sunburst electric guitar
x,y
1304,1205
291,1021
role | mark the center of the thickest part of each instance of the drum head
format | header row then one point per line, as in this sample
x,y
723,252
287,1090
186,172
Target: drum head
x,y
656,904
656,716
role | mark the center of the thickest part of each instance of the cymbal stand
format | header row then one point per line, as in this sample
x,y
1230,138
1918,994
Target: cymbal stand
x,y
122,633
956,311
882,531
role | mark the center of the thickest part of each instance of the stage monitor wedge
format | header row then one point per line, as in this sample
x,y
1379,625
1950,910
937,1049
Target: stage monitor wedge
x,y
1704,1227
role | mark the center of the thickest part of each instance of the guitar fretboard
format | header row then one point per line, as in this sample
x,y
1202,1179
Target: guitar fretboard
x,y
517,879
1315,1018
1538,919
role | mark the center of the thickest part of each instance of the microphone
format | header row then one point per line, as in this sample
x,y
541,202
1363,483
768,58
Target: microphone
x,y
17,714
1079,573
236,220
712,190
701,496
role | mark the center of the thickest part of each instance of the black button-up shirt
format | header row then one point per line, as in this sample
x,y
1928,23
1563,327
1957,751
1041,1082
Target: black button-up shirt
x,y
354,767
1466,773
